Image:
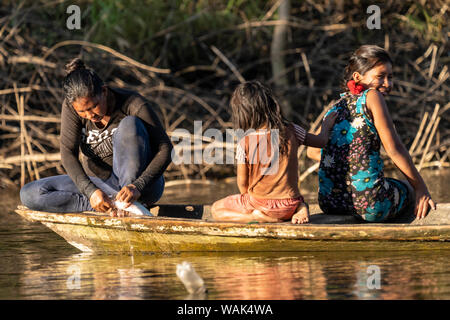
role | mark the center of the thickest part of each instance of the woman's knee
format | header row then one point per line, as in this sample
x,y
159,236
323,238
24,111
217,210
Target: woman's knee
x,y
29,195
131,137
411,197
153,193
131,126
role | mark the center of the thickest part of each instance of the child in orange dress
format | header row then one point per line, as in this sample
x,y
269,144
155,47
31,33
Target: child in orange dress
x,y
267,169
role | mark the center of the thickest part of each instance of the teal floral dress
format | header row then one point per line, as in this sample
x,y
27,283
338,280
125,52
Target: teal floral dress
x,y
351,179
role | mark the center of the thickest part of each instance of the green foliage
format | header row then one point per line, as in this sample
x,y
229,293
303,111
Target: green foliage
x,y
138,26
424,23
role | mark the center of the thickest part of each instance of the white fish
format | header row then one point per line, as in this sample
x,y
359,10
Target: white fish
x,y
192,281
135,208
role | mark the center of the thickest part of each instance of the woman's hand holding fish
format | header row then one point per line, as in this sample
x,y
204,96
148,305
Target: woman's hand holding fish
x,y
128,194
100,201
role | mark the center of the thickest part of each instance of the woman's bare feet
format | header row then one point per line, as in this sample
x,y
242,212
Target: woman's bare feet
x,y
301,216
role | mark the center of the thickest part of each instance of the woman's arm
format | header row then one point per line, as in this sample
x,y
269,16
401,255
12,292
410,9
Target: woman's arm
x,y
159,141
320,140
397,151
70,137
69,147
314,153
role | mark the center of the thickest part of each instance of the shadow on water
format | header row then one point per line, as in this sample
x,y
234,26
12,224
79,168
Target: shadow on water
x,y
35,263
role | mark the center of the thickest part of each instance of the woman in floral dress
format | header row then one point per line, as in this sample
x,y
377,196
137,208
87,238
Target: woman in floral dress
x,y
351,179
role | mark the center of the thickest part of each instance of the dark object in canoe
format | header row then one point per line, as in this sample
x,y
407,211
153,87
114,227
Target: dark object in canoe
x,y
179,228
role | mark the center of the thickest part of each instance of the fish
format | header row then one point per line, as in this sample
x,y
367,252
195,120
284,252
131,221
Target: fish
x,y
135,208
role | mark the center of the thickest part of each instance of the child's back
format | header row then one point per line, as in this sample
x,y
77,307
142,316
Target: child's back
x,y
272,174
267,170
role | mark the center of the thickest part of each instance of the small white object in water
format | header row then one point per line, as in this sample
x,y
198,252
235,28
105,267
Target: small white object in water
x,y
191,280
135,208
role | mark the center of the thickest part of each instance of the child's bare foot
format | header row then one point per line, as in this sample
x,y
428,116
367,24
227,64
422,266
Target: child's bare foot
x,y
301,215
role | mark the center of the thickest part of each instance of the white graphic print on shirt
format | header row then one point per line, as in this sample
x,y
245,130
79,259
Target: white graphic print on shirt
x,y
95,136
97,143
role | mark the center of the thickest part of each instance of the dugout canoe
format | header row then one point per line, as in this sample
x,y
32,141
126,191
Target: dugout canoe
x,y
189,228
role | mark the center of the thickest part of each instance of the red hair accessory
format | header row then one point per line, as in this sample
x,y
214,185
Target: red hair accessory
x,y
354,88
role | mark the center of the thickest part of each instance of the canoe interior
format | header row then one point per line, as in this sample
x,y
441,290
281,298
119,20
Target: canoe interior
x,y
439,217
198,212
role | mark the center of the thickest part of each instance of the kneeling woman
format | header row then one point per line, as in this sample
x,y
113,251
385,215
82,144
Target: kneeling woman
x,y
124,149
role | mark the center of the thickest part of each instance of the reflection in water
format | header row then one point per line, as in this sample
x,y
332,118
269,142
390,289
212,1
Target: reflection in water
x,y
35,263
246,276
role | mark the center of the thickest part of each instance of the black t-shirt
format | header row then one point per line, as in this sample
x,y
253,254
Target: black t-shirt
x,y
96,143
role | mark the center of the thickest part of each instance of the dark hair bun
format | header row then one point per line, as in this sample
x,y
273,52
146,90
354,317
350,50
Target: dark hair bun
x,y
75,64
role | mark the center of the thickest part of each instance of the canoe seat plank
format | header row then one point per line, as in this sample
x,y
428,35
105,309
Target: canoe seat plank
x,y
178,211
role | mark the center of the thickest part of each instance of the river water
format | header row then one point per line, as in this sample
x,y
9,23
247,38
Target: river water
x,y
36,263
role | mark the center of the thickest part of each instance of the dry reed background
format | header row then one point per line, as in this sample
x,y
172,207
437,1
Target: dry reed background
x,y
34,46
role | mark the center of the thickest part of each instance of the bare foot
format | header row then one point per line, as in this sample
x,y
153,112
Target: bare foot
x,y
301,216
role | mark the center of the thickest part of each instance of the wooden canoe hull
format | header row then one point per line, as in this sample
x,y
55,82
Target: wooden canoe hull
x,y
161,234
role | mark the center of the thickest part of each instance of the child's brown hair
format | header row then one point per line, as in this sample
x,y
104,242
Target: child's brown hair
x,y
254,106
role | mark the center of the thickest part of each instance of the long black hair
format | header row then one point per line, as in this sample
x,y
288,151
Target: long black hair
x,y
80,81
254,106
362,60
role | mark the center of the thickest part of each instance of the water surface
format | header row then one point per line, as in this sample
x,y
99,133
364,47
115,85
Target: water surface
x,y
36,263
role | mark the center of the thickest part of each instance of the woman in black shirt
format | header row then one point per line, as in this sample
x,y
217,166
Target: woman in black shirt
x,y
124,149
